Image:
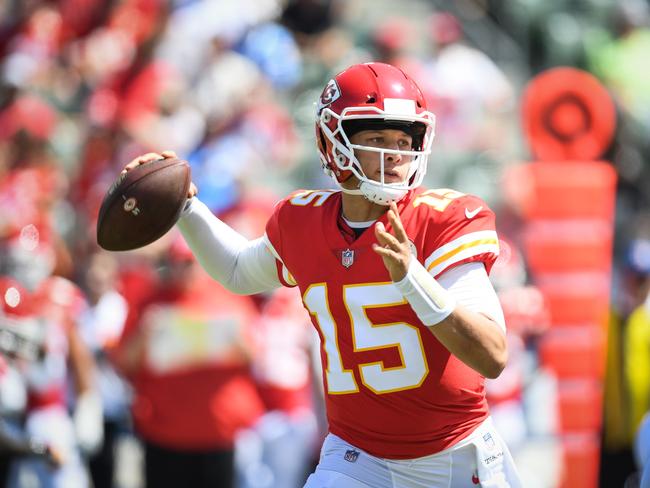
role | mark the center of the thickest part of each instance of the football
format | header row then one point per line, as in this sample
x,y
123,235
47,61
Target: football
x,y
143,204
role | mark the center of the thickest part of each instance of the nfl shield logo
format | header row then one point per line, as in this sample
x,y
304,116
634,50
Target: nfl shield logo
x,y
347,258
351,456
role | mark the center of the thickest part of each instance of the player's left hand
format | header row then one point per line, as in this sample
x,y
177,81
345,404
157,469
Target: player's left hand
x,y
395,248
152,156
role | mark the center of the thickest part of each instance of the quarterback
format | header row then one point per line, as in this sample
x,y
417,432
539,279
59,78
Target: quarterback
x,y
395,280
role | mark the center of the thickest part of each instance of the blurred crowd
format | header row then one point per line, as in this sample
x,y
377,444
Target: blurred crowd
x,y
124,367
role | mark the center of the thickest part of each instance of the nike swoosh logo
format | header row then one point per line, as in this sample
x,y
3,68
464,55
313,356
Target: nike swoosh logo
x,y
470,214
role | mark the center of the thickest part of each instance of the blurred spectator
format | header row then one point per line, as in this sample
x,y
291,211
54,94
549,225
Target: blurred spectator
x,y
391,39
31,246
280,448
309,17
154,110
64,357
101,323
187,356
18,345
637,357
641,477
474,103
245,124
618,60
470,88
195,29
274,50
627,366
13,446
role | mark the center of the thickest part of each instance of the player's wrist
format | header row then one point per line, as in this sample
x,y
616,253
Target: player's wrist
x,y
430,301
399,274
400,284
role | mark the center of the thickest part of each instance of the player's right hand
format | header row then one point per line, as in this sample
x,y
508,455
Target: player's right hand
x,y
394,248
152,156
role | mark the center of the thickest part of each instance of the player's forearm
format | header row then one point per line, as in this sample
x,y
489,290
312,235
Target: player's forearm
x,y
474,339
240,265
456,309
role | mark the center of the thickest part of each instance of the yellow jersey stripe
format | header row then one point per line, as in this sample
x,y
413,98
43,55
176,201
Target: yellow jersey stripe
x,y
461,248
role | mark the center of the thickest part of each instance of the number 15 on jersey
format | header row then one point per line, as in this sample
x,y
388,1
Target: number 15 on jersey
x,y
368,336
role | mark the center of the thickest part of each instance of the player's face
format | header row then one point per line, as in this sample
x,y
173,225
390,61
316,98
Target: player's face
x,y
396,166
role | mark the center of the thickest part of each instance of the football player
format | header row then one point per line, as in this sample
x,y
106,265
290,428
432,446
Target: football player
x,y
395,280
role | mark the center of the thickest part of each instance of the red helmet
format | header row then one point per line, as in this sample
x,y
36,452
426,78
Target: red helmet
x,y
15,301
372,96
21,334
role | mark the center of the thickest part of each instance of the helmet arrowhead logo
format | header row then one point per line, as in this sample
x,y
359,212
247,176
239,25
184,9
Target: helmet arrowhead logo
x,y
329,95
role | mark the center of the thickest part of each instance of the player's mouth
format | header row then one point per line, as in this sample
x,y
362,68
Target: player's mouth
x,y
391,176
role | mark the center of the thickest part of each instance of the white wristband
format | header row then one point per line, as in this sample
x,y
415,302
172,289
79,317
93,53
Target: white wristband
x,y
430,301
186,208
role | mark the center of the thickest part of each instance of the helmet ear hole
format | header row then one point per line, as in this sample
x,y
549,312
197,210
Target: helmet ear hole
x,y
321,138
418,142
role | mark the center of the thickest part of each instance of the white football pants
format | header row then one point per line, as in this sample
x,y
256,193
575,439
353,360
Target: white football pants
x,y
480,460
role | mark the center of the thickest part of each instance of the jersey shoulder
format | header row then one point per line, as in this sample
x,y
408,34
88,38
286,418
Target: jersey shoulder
x,y
306,200
296,216
299,205
460,228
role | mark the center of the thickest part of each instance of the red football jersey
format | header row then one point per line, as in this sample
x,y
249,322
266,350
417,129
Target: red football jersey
x,y
391,388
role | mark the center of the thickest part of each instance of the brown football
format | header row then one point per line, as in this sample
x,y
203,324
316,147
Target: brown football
x,y
143,204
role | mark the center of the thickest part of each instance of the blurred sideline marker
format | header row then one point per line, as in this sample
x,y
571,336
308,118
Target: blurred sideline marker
x,y
566,198
567,115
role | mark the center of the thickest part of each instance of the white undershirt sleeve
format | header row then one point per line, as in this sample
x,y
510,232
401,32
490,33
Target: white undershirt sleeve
x,y
471,286
433,300
241,266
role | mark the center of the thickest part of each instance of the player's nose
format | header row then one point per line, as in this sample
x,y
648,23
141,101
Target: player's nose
x,y
393,157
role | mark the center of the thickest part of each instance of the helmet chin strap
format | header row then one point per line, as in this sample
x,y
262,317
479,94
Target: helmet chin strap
x,y
375,192
381,194
349,191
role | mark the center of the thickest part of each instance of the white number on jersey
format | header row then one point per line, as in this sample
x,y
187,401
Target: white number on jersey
x,y
311,197
438,199
367,336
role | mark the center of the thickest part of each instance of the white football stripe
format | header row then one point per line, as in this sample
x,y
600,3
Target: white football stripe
x,y
400,106
461,248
